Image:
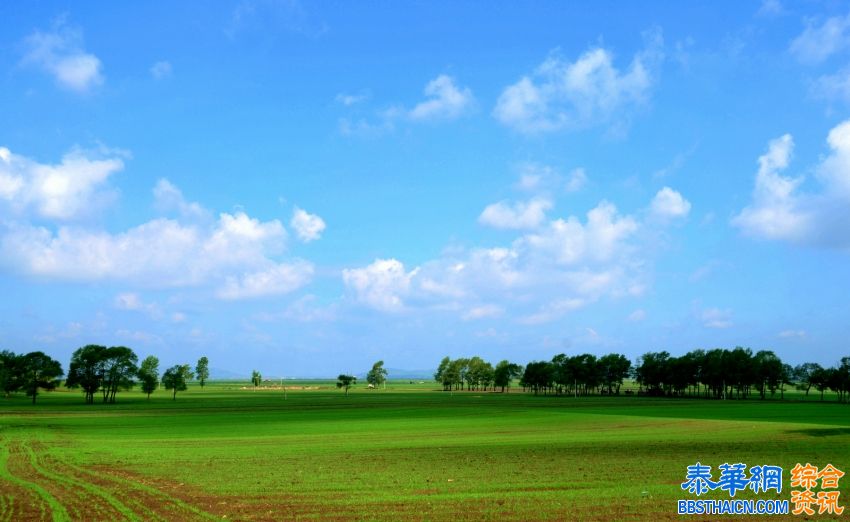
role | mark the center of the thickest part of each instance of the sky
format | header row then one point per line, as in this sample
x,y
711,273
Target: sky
x,y
304,188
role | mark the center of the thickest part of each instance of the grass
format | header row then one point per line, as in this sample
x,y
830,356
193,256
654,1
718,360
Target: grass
x,y
407,453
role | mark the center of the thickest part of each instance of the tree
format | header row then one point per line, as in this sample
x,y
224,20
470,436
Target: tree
x,y
345,381
87,370
504,373
804,375
256,378
39,370
202,371
149,375
176,377
613,368
10,372
441,375
119,370
377,375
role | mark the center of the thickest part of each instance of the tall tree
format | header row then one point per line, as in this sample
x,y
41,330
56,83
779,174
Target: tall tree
x,y
345,381
377,375
39,370
119,371
176,377
87,370
149,375
442,373
504,373
202,371
256,378
10,372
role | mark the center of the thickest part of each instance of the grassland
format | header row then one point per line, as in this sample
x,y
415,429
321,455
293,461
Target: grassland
x,y
407,453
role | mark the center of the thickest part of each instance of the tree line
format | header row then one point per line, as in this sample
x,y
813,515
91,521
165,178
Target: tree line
x,y
97,371
718,373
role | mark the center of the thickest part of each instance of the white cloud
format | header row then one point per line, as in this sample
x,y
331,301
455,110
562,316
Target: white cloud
x,y
64,191
792,334
668,203
178,317
536,177
276,280
520,215
553,310
716,318
169,198
833,86
566,264
563,94
780,211
576,180
132,302
446,100
774,213
308,227
483,312
382,285
61,54
570,242
159,253
637,316
161,70
819,42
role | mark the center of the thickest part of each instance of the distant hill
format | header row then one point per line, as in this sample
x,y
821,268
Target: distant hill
x,y
220,374
397,373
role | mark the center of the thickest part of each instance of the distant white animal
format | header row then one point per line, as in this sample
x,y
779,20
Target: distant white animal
x,y
371,386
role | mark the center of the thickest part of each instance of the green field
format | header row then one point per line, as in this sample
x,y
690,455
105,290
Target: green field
x,y
405,453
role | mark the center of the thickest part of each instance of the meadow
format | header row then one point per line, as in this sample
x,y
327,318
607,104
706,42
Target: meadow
x,y
409,452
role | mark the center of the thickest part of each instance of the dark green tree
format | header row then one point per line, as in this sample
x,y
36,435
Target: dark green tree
x,y
39,370
176,378
10,372
149,375
119,371
202,371
377,375
87,370
504,373
346,382
256,378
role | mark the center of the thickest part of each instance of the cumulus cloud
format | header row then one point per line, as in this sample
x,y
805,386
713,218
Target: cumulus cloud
x,y
819,42
60,53
445,100
568,241
566,264
161,252
781,211
308,227
668,204
381,285
276,280
61,191
568,94
520,215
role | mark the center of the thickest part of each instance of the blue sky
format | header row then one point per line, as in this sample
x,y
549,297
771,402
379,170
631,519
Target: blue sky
x,y
305,188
